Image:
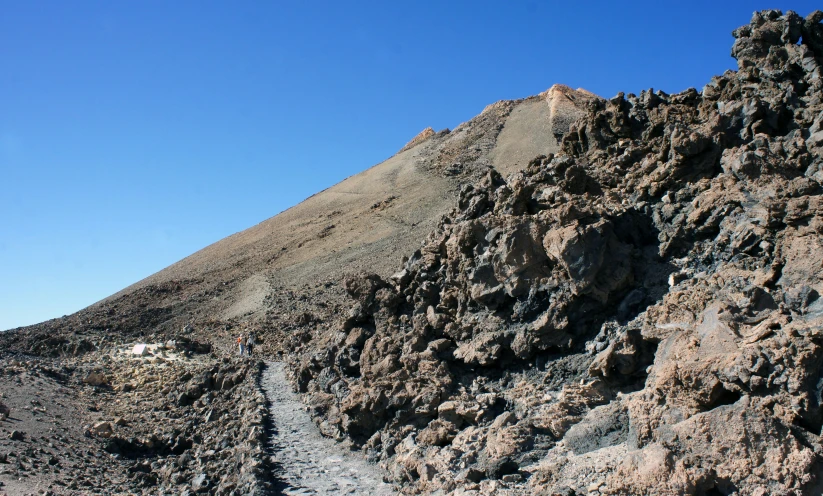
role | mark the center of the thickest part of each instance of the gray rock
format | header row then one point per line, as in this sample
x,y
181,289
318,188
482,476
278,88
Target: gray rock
x,y
200,483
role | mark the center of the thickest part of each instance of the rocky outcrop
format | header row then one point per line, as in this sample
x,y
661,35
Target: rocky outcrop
x,y
640,314
421,137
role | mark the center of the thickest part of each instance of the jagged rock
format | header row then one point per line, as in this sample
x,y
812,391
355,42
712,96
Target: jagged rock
x,y
594,259
640,313
438,433
200,483
421,137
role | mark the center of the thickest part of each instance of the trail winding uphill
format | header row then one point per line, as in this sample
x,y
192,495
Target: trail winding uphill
x,y
307,462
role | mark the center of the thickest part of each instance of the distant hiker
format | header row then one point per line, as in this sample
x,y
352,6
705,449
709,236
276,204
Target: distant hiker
x,y
241,344
250,343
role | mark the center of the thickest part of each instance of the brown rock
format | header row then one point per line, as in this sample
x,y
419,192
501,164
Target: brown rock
x,y
95,378
102,429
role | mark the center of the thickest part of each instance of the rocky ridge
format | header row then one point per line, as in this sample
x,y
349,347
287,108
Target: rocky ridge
x,y
292,263
639,314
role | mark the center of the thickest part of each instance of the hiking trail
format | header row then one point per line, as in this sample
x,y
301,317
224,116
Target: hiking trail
x,y
308,463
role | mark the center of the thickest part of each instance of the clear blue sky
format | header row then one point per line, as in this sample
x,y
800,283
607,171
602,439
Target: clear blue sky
x,y
134,133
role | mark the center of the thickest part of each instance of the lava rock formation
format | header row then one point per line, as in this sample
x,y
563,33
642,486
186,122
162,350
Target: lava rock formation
x,y
639,314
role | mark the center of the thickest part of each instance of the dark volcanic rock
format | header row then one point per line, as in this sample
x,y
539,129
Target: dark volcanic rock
x,y
639,315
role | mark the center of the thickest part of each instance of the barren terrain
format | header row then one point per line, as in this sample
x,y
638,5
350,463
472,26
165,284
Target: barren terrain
x,y
564,295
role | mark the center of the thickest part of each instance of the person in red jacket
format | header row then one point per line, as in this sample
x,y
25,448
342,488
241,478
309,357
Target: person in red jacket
x,y
242,344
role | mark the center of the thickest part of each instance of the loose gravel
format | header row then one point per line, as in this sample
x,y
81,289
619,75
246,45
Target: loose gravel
x,y
306,461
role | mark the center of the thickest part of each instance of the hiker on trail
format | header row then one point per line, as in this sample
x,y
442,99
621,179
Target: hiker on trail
x,y
250,343
241,343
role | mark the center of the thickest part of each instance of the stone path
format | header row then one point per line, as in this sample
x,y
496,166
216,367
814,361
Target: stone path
x,y
307,462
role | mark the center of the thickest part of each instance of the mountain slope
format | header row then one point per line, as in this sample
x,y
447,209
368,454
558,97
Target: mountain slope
x,y
370,220
170,420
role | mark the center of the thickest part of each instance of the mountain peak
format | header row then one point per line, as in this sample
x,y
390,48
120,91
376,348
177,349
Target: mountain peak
x,y
421,137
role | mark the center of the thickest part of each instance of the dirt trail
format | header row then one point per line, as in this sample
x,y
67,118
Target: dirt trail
x,y
307,462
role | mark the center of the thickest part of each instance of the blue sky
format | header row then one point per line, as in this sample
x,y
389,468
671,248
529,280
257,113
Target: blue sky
x,y
133,134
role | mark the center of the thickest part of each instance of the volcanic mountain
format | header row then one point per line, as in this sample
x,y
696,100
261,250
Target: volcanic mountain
x,y
366,222
369,221
284,276
564,295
